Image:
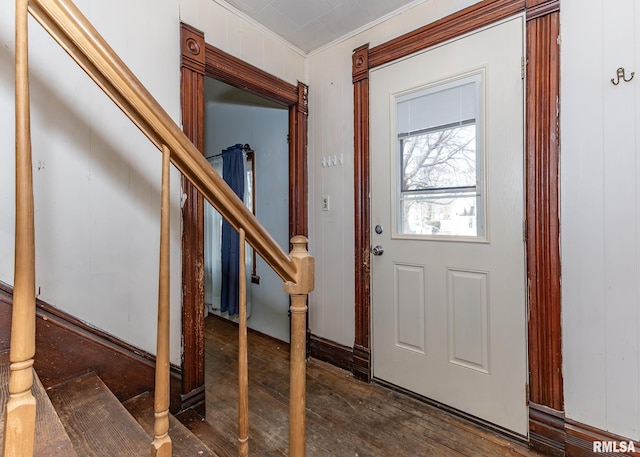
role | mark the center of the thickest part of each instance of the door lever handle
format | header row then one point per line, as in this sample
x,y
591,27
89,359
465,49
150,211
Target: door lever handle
x,y
377,250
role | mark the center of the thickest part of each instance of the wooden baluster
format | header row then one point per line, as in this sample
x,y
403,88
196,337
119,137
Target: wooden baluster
x,y
20,419
298,292
243,365
161,445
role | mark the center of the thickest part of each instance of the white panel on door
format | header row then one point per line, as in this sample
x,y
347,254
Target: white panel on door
x,y
409,285
467,301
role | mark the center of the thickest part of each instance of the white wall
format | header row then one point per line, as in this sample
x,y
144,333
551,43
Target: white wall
x,y
265,128
600,187
331,305
96,177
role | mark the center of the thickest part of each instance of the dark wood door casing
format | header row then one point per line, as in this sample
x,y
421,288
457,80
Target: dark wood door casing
x,y
192,101
542,157
200,60
541,163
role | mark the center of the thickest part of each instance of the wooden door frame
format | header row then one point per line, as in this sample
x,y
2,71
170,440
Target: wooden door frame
x,y
545,389
198,60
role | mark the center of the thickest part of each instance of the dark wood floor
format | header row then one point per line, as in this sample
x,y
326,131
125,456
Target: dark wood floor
x,y
345,417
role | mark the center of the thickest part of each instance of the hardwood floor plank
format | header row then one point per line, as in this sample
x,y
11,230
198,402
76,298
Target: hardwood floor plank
x,y
345,417
414,416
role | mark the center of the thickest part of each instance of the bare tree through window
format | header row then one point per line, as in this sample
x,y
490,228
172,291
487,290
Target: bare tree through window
x,y
445,158
440,162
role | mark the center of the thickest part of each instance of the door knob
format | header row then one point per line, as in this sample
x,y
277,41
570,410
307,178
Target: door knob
x,y
378,250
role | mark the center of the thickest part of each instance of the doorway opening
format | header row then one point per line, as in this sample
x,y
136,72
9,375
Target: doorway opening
x,y
198,61
237,117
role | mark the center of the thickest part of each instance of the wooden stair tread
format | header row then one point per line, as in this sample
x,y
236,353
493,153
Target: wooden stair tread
x,y
51,438
211,436
184,442
96,421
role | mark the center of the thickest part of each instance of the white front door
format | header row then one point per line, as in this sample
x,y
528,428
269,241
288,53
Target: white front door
x,y
447,211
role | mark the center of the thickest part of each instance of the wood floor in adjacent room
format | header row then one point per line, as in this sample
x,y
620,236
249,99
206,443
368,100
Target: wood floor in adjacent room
x,y
345,417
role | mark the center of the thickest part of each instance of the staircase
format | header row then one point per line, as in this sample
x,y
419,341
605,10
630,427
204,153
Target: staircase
x,y
82,418
94,424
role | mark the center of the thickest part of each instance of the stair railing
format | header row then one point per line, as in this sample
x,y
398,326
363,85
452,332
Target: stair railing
x,y
75,34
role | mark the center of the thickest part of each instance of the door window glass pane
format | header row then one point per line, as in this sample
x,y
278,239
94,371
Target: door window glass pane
x,y
440,185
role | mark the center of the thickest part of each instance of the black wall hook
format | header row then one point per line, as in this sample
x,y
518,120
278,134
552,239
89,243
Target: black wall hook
x,y
620,75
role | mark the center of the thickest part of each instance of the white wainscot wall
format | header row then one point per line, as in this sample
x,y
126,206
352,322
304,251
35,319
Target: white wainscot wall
x,y
600,187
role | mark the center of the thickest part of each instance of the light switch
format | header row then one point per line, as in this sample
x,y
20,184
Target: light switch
x,y
325,203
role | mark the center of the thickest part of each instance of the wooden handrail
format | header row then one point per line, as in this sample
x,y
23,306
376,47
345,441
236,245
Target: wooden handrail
x,y
68,26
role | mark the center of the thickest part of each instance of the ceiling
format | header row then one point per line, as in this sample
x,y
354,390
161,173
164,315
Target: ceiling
x,y
311,24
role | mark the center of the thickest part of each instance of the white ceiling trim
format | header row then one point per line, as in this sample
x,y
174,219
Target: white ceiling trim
x,y
367,26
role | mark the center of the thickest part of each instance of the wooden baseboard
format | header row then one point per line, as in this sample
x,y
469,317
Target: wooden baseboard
x,y
194,400
546,430
356,360
550,433
580,439
361,367
330,351
66,348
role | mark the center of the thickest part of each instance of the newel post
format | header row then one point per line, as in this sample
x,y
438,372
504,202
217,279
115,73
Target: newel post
x,y
298,292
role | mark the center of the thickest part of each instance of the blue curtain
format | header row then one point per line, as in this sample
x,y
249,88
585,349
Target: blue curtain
x,y
233,174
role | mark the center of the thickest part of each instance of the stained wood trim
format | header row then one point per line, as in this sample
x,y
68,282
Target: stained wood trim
x,y
68,347
220,65
542,157
542,211
361,355
546,430
452,26
331,352
192,87
542,154
238,73
361,366
298,174
192,289
542,8
580,439
192,49
360,63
